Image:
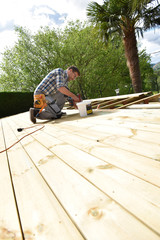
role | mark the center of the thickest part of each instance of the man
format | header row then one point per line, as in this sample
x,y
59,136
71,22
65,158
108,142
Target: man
x,y
52,92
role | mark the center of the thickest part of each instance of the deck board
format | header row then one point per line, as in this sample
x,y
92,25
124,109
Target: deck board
x,y
9,222
86,178
38,206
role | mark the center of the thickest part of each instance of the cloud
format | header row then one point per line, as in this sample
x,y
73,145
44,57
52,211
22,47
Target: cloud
x,y
36,13
8,39
153,36
53,13
8,25
49,13
151,42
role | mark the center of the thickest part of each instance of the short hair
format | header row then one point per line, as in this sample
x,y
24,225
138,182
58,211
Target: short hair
x,y
74,69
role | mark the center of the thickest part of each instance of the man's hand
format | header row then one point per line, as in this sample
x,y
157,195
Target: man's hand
x,y
79,100
76,99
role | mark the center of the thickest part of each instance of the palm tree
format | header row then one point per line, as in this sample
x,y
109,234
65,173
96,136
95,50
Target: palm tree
x,y
127,18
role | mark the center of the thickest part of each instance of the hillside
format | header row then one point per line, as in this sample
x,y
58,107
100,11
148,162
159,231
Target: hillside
x,y
156,66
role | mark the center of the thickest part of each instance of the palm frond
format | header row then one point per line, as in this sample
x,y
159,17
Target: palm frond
x,y
95,12
124,15
152,17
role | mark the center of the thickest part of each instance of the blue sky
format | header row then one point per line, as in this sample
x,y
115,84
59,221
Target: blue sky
x,y
55,13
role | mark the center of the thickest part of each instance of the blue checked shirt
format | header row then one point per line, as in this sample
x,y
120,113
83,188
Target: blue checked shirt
x,y
54,80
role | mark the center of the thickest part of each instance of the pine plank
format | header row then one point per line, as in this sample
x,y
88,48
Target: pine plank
x,y
121,186
99,104
72,190
138,165
148,149
9,223
141,100
41,213
145,106
121,96
110,128
126,101
137,196
97,216
112,101
128,161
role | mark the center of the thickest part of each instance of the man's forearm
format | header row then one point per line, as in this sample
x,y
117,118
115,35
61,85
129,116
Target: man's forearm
x,y
65,91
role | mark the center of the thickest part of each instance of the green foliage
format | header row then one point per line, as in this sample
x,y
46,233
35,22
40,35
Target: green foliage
x,y
103,67
100,65
156,78
121,16
29,60
126,18
149,75
156,67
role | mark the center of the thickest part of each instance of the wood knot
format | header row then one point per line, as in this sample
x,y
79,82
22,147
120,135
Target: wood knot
x,y
95,212
90,170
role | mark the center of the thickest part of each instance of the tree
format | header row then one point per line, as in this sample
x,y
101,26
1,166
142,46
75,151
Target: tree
x,y
126,18
30,59
103,67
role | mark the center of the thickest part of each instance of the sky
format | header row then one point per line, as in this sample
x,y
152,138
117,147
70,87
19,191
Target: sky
x,y
56,13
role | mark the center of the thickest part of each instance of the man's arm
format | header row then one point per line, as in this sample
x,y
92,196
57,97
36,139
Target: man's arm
x,y
65,91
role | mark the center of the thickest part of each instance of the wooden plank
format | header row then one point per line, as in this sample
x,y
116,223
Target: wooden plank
x,y
148,149
141,100
101,149
125,101
123,122
98,127
87,165
103,103
95,217
81,142
137,165
113,99
42,214
130,133
102,128
137,196
9,222
146,116
145,106
121,96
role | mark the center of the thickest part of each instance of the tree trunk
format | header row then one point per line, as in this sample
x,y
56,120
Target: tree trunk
x,y
131,53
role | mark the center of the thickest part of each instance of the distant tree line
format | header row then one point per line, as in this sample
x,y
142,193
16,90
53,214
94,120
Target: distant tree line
x,y
103,66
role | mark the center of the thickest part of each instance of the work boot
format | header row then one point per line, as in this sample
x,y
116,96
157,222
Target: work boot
x,y
32,115
63,113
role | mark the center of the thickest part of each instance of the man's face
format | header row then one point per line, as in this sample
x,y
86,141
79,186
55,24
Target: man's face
x,y
72,75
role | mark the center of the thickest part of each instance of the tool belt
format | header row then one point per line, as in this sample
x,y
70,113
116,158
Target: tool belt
x,y
39,101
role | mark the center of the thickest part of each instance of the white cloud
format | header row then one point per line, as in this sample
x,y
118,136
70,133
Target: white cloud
x,y
7,39
55,13
151,42
35,13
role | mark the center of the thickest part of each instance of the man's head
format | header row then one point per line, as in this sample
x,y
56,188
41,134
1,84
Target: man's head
x,y
73,73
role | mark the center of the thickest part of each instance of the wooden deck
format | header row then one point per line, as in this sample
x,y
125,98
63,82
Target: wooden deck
x,y
94,178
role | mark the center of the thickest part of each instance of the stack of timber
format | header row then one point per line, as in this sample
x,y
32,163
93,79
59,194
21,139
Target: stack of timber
x,y
92,178
125,101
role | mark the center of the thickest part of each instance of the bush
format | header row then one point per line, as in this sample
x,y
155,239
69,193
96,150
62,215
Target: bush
x,y
15,102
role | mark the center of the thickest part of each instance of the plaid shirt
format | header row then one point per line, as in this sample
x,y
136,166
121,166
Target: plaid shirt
x,y
54,80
